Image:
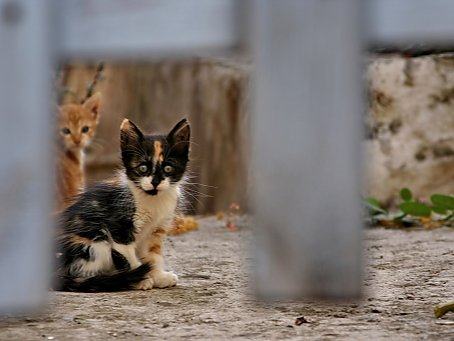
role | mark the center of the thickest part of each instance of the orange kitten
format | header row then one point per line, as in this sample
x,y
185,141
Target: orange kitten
x,y
76,127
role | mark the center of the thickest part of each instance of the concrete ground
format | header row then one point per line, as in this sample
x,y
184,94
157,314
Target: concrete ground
x,y
408,272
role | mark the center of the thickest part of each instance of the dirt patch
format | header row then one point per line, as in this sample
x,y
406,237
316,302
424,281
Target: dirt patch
x,y
408,272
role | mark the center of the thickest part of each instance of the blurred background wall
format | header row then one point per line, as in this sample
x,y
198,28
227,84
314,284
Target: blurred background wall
x,y
409,122
211,93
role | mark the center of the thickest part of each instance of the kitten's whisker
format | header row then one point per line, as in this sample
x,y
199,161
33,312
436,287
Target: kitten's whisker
x,y
192,143
199,195
194,190
98,141
190,208
195,198
196,194
199,184
189,177
95,146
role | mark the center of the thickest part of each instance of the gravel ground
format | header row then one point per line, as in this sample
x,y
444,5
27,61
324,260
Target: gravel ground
x,y
408,272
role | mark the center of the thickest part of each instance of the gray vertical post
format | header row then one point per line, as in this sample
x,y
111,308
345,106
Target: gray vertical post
x,y
25,150
306,138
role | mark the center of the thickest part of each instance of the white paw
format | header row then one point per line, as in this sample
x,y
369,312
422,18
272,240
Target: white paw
x,y
164,279
145,284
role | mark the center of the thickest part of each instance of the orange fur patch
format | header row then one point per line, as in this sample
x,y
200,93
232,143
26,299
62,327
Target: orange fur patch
x,y
158,152
155,249
80,124
80,240
159,231
69,177
155,242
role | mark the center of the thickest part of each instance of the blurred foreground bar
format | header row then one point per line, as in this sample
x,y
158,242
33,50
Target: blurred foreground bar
x,y
396,24
140,29
306,133
25,154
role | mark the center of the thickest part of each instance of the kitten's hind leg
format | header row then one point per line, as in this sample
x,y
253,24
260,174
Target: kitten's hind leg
x,y
120,262
161,278
129,253
125,258
91,258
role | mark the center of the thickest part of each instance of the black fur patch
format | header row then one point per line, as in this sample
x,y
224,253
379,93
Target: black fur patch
x,y
120,261
102,211
116,281
73,251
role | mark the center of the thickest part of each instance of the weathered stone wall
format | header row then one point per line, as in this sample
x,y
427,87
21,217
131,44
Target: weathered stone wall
x,y
410,126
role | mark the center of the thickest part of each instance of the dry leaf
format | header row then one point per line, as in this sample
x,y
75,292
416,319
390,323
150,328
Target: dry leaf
x,y
183,224
220,215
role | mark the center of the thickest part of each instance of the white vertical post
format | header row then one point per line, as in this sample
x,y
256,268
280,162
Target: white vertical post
x,y
306,148
25,154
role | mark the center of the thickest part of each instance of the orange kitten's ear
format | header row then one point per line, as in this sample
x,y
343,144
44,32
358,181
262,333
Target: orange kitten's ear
x,y
57,108
93,103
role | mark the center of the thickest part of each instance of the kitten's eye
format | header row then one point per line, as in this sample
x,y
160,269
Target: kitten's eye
x,y
143,169
85,129
168,169
66,131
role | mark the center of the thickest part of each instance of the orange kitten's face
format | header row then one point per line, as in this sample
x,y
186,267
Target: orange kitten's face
x,y
77,123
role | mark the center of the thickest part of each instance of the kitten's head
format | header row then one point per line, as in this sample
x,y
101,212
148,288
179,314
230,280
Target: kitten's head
x,y
76,123
155,163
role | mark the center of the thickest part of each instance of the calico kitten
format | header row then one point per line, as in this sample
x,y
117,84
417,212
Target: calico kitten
x,y
76,127
112,234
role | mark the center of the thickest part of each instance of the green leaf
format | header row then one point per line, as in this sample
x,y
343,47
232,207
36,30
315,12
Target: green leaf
x,y
374,206
443,201
439,210
415,209
399,216
373,201
449,217
406,194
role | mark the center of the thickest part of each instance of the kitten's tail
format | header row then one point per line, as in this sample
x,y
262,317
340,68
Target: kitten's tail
x,y
118,281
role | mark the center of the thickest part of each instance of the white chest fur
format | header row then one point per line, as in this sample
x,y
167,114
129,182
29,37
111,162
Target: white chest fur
x,y
154,211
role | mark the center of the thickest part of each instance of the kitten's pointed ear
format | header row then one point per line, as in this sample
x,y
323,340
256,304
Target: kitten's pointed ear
x,y
129,133
93,103
57,108
179,137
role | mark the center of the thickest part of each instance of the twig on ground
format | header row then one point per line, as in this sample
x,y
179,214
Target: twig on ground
x,y
443,308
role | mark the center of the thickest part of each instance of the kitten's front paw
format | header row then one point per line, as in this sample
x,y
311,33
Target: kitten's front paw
x,y
145,284
164,279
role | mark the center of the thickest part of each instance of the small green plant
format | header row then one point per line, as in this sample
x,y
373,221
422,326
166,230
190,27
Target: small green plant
x,y
440,212
374,207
